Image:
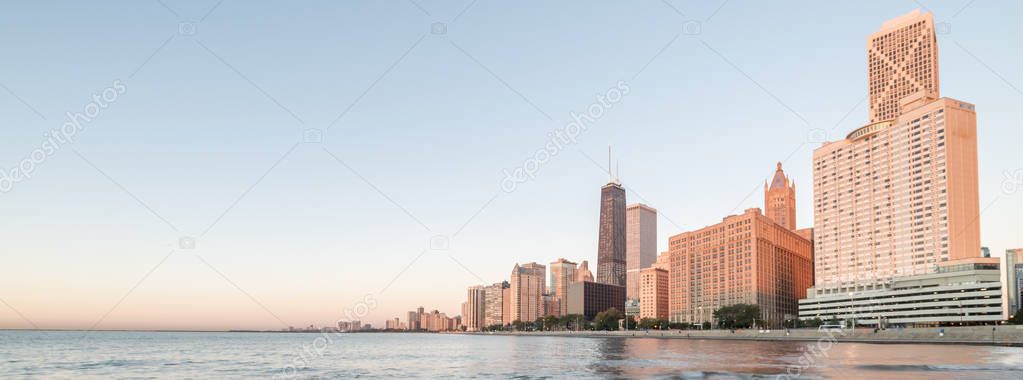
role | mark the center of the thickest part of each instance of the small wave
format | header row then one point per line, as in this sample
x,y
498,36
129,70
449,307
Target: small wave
x,y
933,368
110,363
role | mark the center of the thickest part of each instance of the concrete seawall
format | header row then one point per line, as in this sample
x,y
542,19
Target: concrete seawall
x,y
976,335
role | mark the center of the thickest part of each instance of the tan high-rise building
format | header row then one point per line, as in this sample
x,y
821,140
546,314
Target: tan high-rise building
x,y
506,307
474,311
653,290
780,200
898,196
902,62
494,303
527,290
640,244
746,258
563,273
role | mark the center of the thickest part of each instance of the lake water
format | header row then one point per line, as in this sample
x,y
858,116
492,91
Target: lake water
x,y
57,354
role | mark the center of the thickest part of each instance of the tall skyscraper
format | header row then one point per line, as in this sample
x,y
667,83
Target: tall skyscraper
x,y
902,60
640,244
611,243
494,301
780,200
527,290
475,308
562,274
898,196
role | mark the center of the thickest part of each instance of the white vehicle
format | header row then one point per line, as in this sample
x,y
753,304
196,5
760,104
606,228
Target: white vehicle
x,y
830,328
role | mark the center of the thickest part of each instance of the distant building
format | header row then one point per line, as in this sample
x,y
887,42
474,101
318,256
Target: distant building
x,y
475,308
413,321
1012,281
582,273
348,326
590,298
494,301
436,321
640,244
631,307
745,259
527,290
563,272
653,292
611,242
985,252
506,310
551,306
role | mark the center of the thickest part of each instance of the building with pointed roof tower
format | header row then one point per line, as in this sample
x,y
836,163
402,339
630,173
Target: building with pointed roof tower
x,y
780,200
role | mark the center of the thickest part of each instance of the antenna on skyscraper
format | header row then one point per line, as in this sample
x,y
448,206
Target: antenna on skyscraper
x,y
609,164
618,172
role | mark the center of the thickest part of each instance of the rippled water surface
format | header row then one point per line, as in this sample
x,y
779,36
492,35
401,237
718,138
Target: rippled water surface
x,y
53,354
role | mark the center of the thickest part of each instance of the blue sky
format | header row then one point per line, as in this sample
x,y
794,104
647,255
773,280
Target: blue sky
x,y
418,127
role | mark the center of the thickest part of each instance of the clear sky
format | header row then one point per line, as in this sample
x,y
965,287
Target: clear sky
x,y
419,121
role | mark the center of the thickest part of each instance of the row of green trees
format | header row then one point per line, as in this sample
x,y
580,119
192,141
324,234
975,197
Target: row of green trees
x,y
609,320
548,323
738,316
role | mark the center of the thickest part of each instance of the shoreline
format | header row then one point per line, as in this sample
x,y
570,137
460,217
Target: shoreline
x,y
1006,336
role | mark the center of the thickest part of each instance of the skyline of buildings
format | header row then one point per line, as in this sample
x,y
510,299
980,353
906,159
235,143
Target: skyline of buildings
x,y
375,243
896,210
